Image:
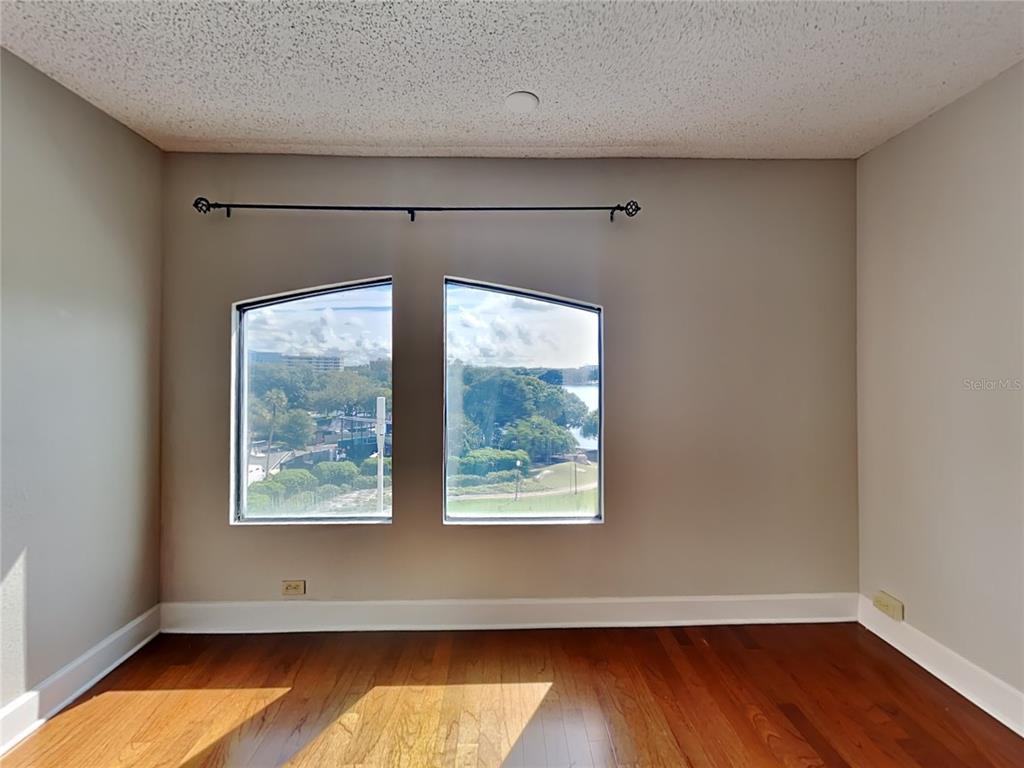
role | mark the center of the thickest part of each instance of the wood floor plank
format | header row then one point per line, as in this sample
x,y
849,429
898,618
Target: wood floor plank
x,y
795,696
792,672
944,714
672,696
652,738
720,739
778,734
826,753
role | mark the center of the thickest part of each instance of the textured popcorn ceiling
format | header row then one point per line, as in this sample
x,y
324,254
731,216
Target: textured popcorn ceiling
x,y
429,78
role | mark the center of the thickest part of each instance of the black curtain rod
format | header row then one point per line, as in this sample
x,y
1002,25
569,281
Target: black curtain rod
x,y
203,205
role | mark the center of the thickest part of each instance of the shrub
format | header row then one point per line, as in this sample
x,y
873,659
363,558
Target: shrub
x,y
302,502
484,460
257,502
327,491
336,472
466,481
296,480
270,488
369,466
502,476
363,483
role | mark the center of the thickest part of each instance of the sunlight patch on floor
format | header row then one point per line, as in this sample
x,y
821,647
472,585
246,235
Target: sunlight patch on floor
x,y
148,721
491,718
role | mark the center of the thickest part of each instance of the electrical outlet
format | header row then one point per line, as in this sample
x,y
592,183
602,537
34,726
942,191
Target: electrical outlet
x,y
293,587
889,605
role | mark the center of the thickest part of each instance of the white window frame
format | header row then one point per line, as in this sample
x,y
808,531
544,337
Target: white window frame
x,y
239,399
530,294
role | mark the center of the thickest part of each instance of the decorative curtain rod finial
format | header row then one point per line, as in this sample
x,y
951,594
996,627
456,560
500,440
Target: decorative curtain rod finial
x,y
631,209
201,204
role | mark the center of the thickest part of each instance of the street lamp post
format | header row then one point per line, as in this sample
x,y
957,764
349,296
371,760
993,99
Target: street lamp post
x,y
381,427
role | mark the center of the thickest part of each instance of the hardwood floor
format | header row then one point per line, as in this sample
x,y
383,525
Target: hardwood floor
x,y
797,695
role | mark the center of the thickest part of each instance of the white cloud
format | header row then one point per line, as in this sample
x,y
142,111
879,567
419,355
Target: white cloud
x,y
489,327
353,324
484,327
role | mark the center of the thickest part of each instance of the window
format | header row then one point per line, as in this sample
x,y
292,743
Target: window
x,y
522,407
312,438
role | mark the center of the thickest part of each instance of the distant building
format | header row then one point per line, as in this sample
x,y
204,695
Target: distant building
x,y
264,357
316,362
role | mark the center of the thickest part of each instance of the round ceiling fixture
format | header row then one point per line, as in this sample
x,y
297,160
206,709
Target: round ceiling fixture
x,y
521,102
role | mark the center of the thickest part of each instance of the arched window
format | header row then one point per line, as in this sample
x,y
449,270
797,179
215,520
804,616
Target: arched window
x,y
312,415
522,407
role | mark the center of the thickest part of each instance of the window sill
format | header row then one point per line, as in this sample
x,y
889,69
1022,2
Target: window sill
x,y
523,521
311,521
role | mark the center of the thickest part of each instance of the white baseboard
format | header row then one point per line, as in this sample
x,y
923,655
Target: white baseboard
x,y
998,698
26,713
336,616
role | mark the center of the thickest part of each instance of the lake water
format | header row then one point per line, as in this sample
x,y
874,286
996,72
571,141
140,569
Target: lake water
x,y
591,395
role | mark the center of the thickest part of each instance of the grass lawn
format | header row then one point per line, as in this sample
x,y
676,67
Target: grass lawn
x,y
555,477
582,504
559,477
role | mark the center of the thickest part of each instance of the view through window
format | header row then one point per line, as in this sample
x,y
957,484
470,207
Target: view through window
x,y
314,406
522,407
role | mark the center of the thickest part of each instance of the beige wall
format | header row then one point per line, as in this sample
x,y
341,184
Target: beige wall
x,y
80,376
941,300
730,404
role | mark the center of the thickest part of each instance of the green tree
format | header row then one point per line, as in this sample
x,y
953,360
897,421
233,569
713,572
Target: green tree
x,y
497,397
259,418
343,392
463,435
591,425
552,376
539,437
494,398
296,429
337,393
296,382
557,405
275,401
379,371
574,410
